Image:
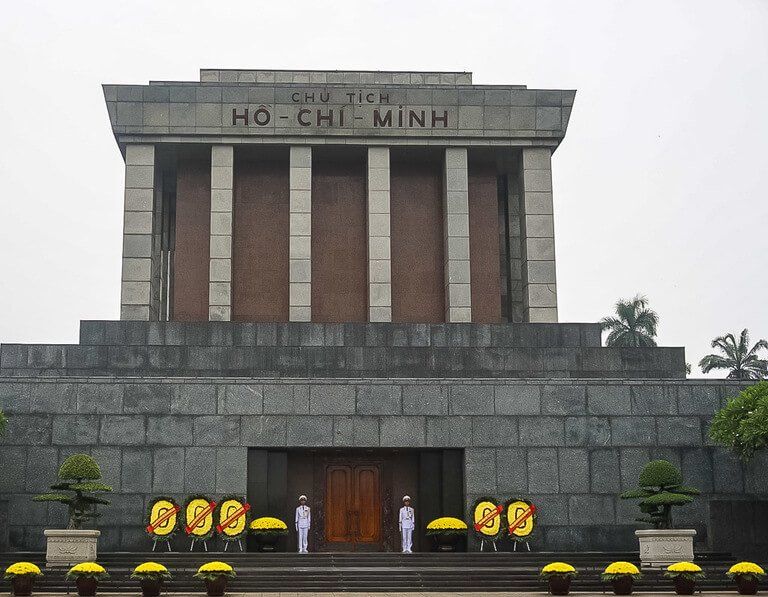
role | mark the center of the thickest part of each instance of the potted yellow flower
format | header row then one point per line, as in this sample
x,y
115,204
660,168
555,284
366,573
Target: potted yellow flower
x,y
558,576
22,576
621,575
87,576
684,576
446,532
267,530
747,576
215,576
151,576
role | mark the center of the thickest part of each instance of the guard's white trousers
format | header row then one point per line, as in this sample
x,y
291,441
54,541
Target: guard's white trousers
x,y
407,536
303,533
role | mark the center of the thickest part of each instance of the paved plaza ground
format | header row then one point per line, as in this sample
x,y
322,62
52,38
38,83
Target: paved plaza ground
x,y
408,594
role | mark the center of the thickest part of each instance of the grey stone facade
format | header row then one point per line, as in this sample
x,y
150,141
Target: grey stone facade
x,y
569,444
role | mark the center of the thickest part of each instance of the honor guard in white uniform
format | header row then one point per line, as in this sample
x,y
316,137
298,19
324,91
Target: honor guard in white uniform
x,y
407,522
303,522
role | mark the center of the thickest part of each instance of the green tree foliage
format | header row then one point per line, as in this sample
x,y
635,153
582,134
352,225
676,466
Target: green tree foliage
x,y
80,477
661,488
3,423
742,424
634,325
741,361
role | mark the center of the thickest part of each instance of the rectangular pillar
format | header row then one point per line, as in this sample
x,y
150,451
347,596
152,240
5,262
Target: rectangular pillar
x,y
458,293
136,280
220,270
379,238
300,234
538,236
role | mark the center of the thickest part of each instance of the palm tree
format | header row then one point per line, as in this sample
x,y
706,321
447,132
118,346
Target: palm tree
x,y
635,324
743,362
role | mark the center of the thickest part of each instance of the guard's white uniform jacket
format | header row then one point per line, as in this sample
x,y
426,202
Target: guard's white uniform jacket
x,y
407,523
303,522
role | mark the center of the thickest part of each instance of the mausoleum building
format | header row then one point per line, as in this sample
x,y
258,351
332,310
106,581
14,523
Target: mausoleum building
x,y
342,284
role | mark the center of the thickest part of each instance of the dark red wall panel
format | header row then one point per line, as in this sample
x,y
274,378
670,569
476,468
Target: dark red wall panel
x,y
339,238
484,244
416,207
192,244
260,237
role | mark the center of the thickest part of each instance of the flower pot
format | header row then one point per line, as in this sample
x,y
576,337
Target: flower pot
x,y
216,587
67,547
86,586
747,585
559,584
150,587
22,585
684,586
446,542
266,542
661,547
622,585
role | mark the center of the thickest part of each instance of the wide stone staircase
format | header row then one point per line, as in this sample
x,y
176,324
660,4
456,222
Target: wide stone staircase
x,y
376,572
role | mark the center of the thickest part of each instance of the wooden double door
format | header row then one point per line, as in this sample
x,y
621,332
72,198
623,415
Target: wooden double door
x,y
353,506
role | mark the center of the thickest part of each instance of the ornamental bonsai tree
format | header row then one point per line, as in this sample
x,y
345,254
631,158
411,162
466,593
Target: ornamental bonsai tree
x,y
80,477
742,424
661,488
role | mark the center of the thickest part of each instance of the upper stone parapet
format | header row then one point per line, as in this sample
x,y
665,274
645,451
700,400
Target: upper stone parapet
x,y
348,77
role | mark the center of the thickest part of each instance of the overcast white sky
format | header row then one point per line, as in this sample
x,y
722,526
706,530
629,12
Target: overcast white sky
x,y
660,184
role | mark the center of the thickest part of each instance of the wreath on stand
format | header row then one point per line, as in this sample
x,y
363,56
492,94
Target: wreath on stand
x,y
232,516
521,516
487,519
162,519
198,517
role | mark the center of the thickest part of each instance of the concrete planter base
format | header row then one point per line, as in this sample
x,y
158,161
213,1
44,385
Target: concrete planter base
x,y
68,547
662,547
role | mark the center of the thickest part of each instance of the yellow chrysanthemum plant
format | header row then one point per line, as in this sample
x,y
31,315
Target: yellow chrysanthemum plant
x,y
22,569
447,525
151,571
557,569
268,525
747,570
618,570
87,570
214,570
686,570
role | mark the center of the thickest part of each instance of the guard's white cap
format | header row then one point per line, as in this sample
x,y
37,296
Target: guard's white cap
x,y
406,497
302,497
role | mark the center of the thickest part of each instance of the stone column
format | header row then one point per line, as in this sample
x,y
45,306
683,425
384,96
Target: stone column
x,y
220,269
538,236
300,243
379,256
136,281
458,304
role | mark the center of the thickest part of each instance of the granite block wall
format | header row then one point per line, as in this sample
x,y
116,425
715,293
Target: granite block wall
x,y
570,445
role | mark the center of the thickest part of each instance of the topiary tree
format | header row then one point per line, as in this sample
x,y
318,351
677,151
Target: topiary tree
x,y
80,475
661,488
742,424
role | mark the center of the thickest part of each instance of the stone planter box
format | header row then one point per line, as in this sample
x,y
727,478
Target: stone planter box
x,y
68,547
662,547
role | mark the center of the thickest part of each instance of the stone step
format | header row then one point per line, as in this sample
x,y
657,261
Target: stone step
x,y
341,361
439,335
